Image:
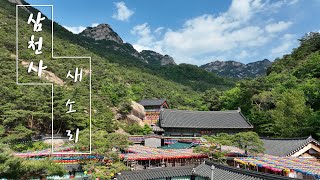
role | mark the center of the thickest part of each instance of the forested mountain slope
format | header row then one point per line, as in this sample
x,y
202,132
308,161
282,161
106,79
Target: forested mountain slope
x,y
117,79
285,103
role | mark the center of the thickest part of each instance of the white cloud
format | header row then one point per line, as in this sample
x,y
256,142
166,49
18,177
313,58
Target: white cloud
x,y
94,24
75,29
146,40
144,33
243,54
287,42
278,27
244,9
234,32
208,34
123,12
78,29
280,3
139,48
292,2
159,30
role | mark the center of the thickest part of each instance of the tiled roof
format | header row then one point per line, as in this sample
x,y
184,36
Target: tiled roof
x,y
156,173
203,119
220,172
204,170
286,147
152,102
224,172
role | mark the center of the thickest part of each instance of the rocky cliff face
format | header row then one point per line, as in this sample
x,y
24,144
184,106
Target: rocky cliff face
x,y
155,58
113,40
102,32
20,2
238,70
105,32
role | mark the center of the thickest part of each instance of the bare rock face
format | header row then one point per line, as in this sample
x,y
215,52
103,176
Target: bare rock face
x,y
121,131
166,59
156,58
48,75
105,32
138,110
132,119
238,70
102,32
20,2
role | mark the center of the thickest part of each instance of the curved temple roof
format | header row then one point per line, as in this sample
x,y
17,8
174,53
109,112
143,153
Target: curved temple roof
x,y
203,119
221,172
286,147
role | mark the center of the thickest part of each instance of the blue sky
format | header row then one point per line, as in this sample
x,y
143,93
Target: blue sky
x,y
198,32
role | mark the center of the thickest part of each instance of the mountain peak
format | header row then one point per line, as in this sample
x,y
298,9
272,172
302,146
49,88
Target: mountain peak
x,y
237,69
156,58
102,32
218,63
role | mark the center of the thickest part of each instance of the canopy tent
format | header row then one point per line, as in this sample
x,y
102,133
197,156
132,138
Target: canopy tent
x,y
138,152
180,145
286,164
46,152
60,156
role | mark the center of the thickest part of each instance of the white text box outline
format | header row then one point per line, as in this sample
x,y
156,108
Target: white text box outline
x,y
51,84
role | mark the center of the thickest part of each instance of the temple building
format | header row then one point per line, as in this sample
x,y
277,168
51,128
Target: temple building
x,y
306,147
152,108
204,171
198,123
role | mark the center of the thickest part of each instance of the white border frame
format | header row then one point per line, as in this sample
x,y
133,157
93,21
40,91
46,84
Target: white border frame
x,y
51,84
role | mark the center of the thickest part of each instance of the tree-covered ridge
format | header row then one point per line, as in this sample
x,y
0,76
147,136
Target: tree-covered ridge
x,y
301,58
285,103
125,55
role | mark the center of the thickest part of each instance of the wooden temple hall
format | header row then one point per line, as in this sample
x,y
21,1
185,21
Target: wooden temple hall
x,y
152,109
198,123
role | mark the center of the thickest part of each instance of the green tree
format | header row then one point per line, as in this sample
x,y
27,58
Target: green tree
x,y
221,138
105,172
147,129
291,114
248,141
212,151
211,99
133,129
13,167
17,134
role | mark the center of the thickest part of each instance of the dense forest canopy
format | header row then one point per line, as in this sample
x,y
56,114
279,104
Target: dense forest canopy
x,y
284,103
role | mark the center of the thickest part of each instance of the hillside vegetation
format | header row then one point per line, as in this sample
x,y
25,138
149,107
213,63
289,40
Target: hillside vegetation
x,y
117,79
285,103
